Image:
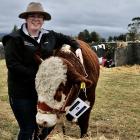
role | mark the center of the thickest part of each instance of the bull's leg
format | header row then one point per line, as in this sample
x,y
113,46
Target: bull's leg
x,y
45,132
83,123
64,130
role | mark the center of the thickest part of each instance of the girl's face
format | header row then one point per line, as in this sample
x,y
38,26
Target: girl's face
x,y
34,22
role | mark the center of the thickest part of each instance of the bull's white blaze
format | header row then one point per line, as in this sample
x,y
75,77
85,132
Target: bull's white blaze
x,y
51,73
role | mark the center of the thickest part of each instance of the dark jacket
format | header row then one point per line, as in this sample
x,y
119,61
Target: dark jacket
x,y
20,50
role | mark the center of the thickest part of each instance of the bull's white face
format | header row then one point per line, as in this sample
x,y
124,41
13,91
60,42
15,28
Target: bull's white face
x,y
51,73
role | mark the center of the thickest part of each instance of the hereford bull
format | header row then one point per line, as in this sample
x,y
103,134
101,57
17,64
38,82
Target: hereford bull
x,y
58,85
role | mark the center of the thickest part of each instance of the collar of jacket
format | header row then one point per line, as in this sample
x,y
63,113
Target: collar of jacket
x,y
28,38
41,32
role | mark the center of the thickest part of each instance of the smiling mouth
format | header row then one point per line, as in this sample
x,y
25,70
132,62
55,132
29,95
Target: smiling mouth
x,y
35,23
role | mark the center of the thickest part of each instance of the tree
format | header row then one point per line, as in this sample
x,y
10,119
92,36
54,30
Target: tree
x,y
85,36
90,37
81,36
95,36
115,38
103,40
15,28
110,39
134,29
121,37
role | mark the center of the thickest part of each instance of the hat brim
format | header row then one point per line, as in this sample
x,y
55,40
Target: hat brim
x,y
24,15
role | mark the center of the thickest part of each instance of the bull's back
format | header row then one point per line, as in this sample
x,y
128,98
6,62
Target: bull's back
x,y
90,62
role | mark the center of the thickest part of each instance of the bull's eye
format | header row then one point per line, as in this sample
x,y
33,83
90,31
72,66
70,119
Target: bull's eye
x,y
58,96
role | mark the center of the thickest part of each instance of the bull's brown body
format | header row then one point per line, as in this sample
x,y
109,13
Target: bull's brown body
x,y
75,75
92,67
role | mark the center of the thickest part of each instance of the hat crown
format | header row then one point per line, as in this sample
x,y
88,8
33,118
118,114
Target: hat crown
x,y
34,6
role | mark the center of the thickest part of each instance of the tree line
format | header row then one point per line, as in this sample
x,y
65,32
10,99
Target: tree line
x,y
133,34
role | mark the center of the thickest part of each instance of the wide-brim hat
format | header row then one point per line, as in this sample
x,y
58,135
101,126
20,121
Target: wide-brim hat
x,y
35,8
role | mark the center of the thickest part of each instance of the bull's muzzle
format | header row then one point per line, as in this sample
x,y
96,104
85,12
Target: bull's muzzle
x,y
46,120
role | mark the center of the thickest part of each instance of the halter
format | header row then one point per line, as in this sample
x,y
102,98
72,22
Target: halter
x,y
45,109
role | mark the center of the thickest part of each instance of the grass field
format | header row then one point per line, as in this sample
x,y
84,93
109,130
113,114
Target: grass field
x,y
116,113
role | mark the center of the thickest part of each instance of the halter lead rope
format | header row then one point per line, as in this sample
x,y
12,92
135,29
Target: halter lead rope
x,y
86,75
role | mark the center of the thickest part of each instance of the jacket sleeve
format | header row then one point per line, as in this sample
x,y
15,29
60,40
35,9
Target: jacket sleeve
x,y
13,57
64,39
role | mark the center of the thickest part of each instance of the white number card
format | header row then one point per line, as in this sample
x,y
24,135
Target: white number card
x,y
77,108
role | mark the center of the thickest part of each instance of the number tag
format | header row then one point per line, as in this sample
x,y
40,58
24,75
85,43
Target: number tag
x,y
77,108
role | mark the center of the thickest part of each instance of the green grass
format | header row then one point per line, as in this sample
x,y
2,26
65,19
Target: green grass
x,y
116,113
8,126
3,81
118,103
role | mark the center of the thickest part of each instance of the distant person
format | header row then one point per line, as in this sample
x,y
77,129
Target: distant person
x,y
22,50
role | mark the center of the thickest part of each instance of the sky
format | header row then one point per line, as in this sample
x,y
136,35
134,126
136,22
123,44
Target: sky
x,y
106,17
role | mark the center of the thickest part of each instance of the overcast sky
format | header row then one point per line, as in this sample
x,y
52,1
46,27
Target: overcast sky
x,y
107,17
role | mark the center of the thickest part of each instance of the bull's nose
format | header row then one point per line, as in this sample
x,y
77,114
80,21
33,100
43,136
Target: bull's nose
x,y
42,124
45,123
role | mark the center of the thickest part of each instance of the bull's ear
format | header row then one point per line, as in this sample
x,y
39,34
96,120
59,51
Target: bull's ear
x,y
81,78
76,77
58,96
